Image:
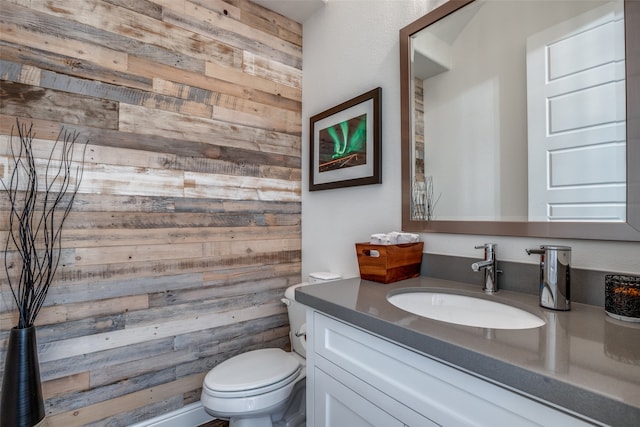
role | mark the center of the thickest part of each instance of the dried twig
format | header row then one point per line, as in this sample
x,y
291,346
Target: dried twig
x,y
36,217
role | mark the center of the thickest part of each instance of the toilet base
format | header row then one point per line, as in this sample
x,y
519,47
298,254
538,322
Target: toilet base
x,y
295,415
291,413
264,421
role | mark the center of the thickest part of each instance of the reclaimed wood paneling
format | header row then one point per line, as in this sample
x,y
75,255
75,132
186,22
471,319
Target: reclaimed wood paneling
x,y
186,228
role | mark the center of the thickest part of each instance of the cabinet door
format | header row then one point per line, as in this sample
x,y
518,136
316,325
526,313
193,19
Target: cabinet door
x,y
419,390
338,406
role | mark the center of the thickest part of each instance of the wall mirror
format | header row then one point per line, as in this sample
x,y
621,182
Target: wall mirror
x,y
523,121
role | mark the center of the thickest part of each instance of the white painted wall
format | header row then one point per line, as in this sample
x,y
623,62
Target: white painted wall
x,y
350,47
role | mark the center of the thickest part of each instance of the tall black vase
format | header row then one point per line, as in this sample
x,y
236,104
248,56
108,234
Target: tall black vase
x,y
22,403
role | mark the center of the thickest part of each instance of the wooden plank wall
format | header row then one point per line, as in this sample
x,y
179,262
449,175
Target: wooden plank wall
x,y
186,230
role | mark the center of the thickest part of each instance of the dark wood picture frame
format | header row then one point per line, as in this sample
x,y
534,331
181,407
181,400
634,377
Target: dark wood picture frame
x,y
345,146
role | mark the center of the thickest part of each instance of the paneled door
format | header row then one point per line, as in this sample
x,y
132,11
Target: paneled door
x,y
576,118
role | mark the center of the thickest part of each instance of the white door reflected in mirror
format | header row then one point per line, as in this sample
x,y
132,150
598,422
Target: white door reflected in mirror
x,y
474,129
577,118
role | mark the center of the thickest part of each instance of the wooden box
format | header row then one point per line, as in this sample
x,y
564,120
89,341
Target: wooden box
x,y
389,263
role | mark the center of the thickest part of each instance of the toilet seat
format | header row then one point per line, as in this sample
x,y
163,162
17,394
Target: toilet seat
x,y
252,373
268,375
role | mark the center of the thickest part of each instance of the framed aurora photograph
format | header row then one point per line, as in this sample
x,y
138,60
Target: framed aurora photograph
x,y
345,148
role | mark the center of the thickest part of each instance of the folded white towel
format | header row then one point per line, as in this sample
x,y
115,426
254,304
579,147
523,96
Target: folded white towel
x,y
380,239
393,238
405,237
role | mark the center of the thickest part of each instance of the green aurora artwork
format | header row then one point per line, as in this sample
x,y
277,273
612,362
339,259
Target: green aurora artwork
x,y
343,145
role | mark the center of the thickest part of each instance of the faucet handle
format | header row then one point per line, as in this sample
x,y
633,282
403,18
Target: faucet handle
x,y
487,246
540,251
490,267
544,249
489,249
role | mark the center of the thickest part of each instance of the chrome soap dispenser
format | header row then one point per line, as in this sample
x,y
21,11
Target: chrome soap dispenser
x,y
555,276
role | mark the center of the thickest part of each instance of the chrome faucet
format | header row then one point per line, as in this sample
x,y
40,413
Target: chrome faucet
x,y
490,267
555,276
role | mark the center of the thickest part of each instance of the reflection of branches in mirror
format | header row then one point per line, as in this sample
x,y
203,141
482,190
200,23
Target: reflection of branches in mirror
x,y
430,202
423,203
418,200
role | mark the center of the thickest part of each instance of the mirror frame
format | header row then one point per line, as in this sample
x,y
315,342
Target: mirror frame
x,y
629,231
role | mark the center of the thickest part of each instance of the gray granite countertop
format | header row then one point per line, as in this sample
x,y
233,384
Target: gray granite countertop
x,y
581,360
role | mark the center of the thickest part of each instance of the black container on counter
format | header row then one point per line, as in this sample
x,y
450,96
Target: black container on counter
x,y
622,297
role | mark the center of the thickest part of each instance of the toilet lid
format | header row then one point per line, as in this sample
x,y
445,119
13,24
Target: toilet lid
x,y
251,370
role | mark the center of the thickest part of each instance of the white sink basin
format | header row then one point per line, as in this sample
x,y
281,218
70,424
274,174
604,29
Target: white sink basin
x,y
465,310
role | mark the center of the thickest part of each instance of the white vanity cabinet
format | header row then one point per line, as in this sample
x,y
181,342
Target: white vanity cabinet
x,y
355,378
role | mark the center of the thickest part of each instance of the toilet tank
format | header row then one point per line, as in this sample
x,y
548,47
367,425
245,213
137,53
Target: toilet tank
x,y
297,312
297,320
323,276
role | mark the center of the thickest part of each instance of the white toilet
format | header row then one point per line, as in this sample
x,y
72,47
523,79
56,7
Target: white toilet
x,y
266,387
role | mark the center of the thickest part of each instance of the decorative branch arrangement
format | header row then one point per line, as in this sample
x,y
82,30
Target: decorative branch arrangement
x,y
39,207
431,200
418,200
423,201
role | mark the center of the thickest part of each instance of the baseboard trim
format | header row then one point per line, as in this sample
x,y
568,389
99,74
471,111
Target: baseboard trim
x,y
191,415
